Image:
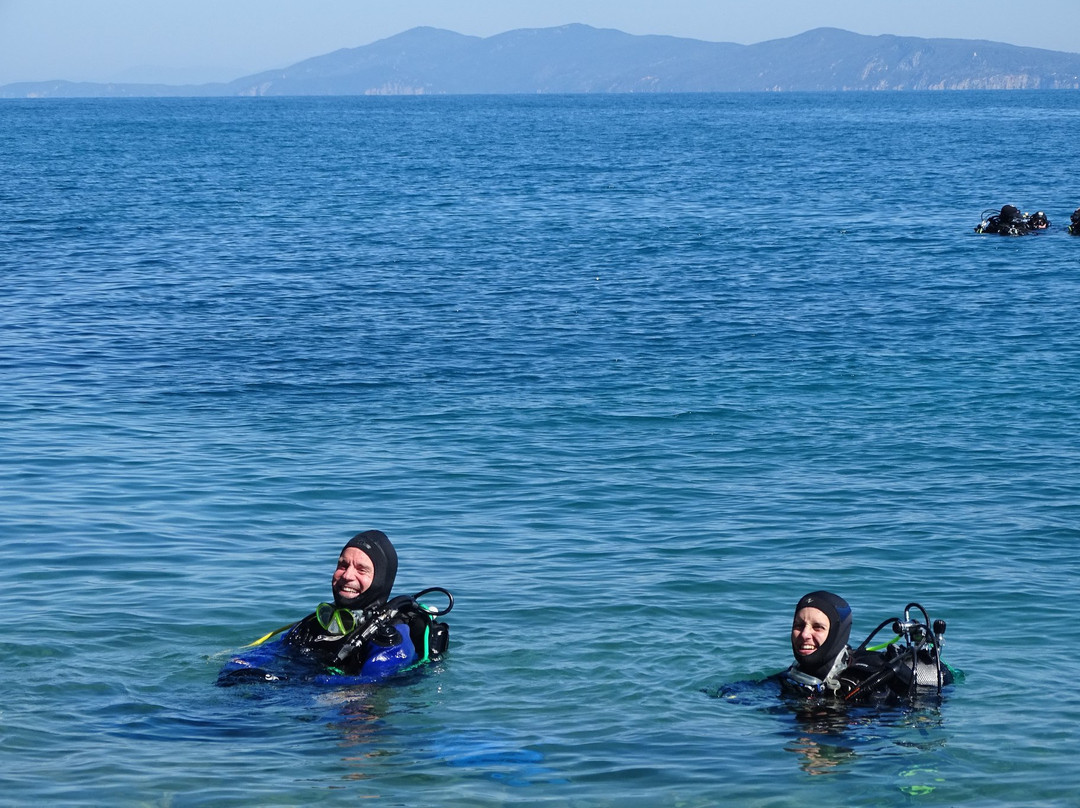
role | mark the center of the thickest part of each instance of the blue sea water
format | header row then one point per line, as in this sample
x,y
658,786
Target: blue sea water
x,y
627,374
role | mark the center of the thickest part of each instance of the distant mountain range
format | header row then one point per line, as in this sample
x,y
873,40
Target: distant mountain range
x,y
581,59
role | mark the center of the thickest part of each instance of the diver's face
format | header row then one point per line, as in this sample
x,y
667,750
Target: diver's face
x,y
809,631
354,573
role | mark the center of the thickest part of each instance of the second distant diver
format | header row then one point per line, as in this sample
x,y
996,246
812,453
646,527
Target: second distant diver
x,y
1074,223
1009,221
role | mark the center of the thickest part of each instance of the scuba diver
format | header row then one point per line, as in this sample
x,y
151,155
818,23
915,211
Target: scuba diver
x,y
827,667
1009,221
1038,221
1074,226
363,636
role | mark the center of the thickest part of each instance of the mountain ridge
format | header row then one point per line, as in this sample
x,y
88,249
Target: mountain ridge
x,y
577,58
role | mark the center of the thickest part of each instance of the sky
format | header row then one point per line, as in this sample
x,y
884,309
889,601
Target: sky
x,y
197,41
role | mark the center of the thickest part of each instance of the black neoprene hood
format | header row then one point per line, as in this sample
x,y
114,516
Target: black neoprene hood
x,y
384,558
819,663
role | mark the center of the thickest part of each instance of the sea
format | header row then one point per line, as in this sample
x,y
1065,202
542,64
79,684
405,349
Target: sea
x,y
626,374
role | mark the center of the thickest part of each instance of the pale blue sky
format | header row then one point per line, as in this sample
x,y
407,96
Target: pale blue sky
x,y
199,40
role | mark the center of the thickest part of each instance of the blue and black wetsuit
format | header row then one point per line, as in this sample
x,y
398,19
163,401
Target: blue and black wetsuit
x,y
378,643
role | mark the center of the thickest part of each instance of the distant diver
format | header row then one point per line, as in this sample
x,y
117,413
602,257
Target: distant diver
x,y
826,667
1074,227
1009,221
363,636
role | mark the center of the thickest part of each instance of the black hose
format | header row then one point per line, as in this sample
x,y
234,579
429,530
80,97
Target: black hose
x,y
440,590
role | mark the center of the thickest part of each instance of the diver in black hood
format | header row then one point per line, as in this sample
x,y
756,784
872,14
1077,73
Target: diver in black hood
x,y
364,633
1009,221
361,583
1074,223
366,569
819,633
826,666
819,640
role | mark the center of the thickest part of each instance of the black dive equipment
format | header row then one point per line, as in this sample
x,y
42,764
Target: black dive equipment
x,y
1009,221
908,665
432,636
